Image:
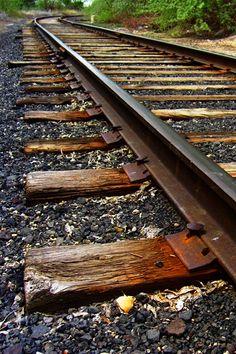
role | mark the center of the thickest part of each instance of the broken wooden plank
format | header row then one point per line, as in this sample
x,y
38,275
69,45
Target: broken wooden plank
x,y
200,137
59,99
158,98
67,145
179,114
61,185
67,276
229,167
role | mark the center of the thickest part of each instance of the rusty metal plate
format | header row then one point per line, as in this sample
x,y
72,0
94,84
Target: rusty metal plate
x,y
69,77
75,85
95,111
82,97
112,137
191,250
136,172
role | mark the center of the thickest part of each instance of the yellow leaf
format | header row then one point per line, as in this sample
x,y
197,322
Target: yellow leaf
x,y
125,303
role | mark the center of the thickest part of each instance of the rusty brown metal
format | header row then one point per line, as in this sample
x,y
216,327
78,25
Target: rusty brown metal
x,y
94,111
136,171
190,249
112,137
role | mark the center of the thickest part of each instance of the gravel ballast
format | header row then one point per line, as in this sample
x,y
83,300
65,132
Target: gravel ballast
x,y
207,313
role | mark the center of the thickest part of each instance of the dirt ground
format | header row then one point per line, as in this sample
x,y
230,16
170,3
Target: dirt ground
x,y
224,45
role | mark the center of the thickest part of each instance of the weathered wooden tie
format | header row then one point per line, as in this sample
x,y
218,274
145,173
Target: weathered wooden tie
x,y
180,87
61,185
179,114
44,80
173,79
59,99
161,98
229,167
199,137
67,145
67,276
165,70
41,73
64,87
138,61
66,116
27,62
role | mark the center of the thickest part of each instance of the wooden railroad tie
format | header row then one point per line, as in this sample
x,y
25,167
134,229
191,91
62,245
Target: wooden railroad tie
x,y
181,87
59,99
201,79
69,145
64,116
62,185
44,80
161,98
229,167
64,87
13,63
60,277
182,114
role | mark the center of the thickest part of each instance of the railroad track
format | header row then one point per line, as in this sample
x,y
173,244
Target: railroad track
x,y
69,62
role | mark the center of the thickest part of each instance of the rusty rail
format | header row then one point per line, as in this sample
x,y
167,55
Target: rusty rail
x,y
202,191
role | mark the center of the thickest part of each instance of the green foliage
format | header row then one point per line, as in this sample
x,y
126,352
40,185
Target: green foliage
x,y
11,7
199,16
59,4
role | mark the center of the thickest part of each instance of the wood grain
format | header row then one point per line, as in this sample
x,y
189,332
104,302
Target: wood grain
x,y
66,145
229,167
62,185
182,87
158,98
60,277
59,99
42,80
64,116
199,137
179,114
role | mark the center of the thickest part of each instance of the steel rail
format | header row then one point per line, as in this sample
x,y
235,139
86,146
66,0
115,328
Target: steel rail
x,y
200,190
218,60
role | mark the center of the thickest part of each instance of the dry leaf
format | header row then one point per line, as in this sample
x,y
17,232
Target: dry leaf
x,y
125,303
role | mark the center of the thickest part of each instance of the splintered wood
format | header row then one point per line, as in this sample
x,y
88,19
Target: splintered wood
x,y
60,277
61,185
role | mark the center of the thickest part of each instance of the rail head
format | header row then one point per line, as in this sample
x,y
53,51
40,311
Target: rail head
x,y
196,185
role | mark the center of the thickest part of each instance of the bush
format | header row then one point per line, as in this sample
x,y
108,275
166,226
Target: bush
x,y
199,16
11,7
58,4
